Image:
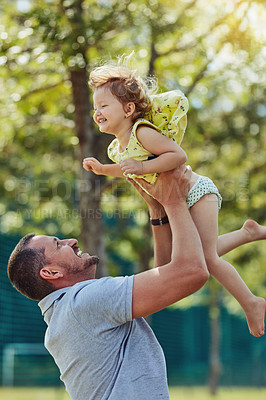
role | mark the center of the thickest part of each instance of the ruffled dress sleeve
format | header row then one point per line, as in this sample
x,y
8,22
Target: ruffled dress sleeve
x,y
113,151
169,114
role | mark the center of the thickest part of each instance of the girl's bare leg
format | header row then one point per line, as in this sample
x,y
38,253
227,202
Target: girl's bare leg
x,y
205,216
251,231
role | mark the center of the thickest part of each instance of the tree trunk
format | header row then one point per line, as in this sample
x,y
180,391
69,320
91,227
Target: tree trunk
x,y
215,364
91,235
89,184
153,57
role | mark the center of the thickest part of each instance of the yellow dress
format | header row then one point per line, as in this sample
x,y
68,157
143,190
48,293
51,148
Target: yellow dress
x,y
168,116
134,150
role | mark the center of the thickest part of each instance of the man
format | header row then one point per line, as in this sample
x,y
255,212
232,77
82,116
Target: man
x,y
96,331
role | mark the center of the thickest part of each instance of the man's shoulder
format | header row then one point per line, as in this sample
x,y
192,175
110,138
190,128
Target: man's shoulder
x,y
101,286
106,280
106,299
66,293
89,292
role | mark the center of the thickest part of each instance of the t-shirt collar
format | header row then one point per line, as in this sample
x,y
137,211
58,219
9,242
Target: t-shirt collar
x,y
48,301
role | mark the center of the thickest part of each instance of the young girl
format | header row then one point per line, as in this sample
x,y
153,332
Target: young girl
x,y
148,131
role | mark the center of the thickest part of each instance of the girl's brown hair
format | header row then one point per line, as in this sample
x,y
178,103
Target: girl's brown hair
x,y
125,84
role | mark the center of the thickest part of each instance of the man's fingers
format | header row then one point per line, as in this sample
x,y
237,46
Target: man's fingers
x,y
143,183
137,187
171,186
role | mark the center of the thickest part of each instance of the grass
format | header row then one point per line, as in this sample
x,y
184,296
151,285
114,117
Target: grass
x,y
202,393
176,393
35,393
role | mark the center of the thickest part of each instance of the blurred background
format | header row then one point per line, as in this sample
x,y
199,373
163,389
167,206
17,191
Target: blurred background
x,y
215,53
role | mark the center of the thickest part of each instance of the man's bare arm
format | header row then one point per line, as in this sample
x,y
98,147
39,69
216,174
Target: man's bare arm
x,y
163,234
186,272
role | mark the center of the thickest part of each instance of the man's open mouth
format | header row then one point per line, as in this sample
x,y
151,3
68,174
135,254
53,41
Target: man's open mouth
x,y
77,251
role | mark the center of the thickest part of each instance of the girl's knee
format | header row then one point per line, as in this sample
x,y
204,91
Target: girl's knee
x,y
212,261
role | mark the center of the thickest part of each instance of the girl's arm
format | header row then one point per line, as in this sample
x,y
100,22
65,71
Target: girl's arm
x,y
92,164
170,155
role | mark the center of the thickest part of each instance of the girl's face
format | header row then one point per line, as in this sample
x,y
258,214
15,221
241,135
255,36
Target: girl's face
x,y
110,115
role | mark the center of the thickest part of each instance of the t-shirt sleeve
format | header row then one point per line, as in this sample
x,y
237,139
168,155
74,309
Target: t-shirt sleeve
x,y
104,301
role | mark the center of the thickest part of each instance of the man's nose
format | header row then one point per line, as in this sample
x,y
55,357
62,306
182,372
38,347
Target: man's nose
x,y
70,242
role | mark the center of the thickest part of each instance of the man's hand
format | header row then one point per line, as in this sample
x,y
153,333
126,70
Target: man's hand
x,y
171,187
131,166
91,164
156,210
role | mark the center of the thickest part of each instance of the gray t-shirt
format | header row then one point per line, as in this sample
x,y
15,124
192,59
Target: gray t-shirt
x,y
103,353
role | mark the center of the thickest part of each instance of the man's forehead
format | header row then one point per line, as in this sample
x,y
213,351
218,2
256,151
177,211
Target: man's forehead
x,y
41,240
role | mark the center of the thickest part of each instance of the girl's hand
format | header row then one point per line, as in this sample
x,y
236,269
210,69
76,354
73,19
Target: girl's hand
x,y
91,164
131,166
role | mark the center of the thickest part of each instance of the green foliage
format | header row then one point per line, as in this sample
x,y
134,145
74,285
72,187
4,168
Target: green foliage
x,y
212,51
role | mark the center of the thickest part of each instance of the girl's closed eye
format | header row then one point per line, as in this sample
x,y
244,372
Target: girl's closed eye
x,y
97,108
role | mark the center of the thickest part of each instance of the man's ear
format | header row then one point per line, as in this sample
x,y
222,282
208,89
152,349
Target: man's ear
x,y
129,109
51,272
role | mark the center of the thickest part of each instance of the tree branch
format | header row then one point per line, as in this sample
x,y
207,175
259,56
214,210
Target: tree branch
x,y
200,38
42,89
200,74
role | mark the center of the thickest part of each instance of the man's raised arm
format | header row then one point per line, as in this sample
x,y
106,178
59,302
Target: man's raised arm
x,y
186,271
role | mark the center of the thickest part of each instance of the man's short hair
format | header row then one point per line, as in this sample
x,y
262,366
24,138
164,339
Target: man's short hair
x,y
24,267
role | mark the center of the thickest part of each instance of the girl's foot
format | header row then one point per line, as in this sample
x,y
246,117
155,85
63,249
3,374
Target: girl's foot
x,y
253,230
255,317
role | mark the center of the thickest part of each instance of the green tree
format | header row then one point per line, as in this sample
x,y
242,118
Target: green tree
x,y
58,38
212,51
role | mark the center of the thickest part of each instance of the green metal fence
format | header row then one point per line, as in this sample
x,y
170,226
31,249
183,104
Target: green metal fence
x,y
183,334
